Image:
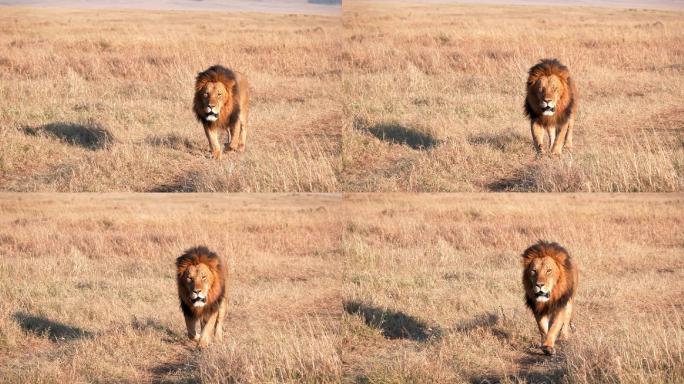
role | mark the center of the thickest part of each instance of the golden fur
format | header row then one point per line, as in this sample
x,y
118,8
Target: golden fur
x,y
221,103
550,280
551,105
201,280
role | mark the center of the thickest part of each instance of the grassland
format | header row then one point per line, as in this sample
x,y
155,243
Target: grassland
x,y
100,100
432,290
434,97
365,289
88,288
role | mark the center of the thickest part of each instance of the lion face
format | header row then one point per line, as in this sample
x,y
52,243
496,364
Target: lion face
x,y
548,90
543,274
214,96
198,279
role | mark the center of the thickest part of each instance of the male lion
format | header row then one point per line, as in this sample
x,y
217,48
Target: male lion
x,y
202,291
222,103
550,279
551,105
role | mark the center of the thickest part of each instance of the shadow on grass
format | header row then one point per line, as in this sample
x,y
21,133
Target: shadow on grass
x,y
488,321
90,135
398,134
551,376
503,142
185,368
185,182
534,368
54,330
153,325
394,325
174,141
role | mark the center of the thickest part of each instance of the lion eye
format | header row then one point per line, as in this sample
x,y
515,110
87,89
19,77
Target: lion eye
x,y
548,271
189,279
533,272
204,277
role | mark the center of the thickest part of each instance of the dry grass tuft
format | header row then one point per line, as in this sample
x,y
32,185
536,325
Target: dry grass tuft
x,y
456,75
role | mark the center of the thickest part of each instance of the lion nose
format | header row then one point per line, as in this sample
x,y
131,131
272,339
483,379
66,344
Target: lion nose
x,y
196,290
540,285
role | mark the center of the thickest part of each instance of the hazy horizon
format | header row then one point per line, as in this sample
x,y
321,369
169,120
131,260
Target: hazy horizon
x,y
320,7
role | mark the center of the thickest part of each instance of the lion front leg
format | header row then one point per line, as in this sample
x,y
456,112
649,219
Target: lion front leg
x,y
538,137
191,325
208,329
557,322
543,325
214,145
560,140
565,331
568,136
219,320
234,132
243,136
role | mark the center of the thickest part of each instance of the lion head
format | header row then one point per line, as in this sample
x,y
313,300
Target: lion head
x,y
215,95
547,275
201,279
550,91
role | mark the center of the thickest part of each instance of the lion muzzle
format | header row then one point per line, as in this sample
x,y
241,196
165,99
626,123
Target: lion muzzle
x,y
198,299
212,114
548,107
541,295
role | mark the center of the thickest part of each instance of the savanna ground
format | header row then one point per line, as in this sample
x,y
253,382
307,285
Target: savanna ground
x,y
100,100
434,96
433,291
89,295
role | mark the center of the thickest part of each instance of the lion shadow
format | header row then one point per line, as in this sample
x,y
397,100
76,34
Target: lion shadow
x,y
149,324
393,324
488,321
174,141
534,368
90,135
399,134
325,2
55,331
503,142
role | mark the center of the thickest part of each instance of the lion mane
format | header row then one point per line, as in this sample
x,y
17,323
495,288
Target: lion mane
x,y
230,111
564,290
568,98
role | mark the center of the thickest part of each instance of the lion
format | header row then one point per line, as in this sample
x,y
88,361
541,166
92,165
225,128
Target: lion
x,y
222,104
202,292
551,105
550,279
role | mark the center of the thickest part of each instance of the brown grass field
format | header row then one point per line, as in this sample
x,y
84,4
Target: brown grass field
x,y
100,100
433,294
365,289
434,97
89,292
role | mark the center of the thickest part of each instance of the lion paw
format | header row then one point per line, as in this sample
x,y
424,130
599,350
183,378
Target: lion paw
x,y
548,350
216,154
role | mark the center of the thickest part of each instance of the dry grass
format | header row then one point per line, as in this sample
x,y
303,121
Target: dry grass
x,y
97,100
435,93
433,294
88,288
